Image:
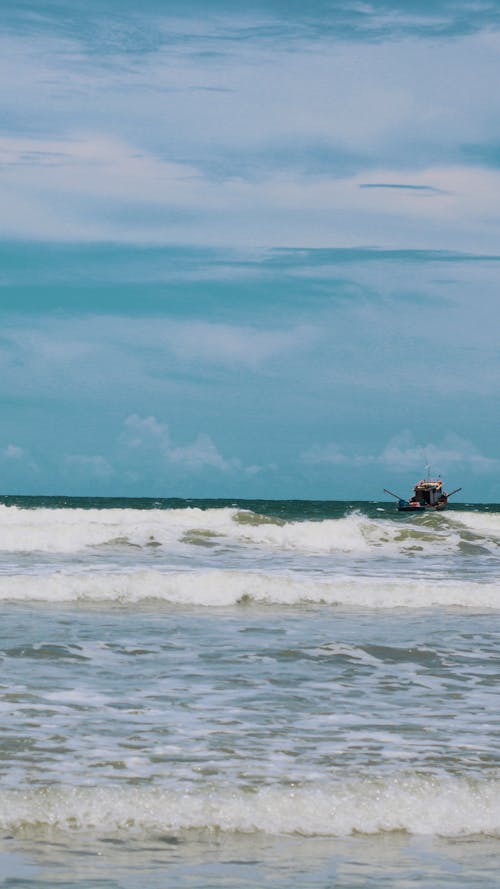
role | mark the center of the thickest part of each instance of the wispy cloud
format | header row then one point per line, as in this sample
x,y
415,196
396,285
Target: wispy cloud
x,y
231,345
399,185
93,355
450,452
403,453
100,188
194,137
114,26
17,460
96,466
146,434
13,452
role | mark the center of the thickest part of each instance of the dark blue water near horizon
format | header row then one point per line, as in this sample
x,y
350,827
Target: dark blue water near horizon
x,y
288,509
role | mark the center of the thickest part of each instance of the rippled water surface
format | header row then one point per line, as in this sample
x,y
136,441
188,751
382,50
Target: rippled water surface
x,y
239,694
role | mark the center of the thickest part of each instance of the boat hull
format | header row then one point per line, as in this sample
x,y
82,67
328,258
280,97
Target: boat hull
x,y
405,506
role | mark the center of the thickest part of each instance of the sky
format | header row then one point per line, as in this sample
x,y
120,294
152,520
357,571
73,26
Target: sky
x,y
249,250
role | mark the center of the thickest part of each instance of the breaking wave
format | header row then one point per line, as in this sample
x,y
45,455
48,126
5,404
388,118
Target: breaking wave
x,y
77,530
425,805
222,588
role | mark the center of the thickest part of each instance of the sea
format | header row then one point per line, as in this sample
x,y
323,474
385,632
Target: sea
x,y
236,693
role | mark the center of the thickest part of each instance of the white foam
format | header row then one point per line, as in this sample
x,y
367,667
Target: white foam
x,y
75,530
487,523
449,806
216,588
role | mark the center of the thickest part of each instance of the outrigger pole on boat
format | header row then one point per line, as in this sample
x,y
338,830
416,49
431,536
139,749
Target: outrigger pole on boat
x,y
402,498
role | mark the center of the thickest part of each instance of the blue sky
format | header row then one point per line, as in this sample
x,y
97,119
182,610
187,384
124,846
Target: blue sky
x,y
249,251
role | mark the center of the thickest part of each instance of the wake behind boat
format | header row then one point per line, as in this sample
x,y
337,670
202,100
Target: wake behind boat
x,y
427,494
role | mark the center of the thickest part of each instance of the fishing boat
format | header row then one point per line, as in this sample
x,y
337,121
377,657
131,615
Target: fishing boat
x,y
428,493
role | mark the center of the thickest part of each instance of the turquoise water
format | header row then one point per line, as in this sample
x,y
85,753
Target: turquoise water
x,y
243,693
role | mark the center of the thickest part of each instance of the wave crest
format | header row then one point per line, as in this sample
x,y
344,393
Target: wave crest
x,y
218,588
449,806
74,530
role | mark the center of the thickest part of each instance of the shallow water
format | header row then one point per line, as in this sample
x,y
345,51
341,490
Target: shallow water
x,y
245,694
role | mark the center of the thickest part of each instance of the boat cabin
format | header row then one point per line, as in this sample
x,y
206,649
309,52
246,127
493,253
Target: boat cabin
x,y
429,493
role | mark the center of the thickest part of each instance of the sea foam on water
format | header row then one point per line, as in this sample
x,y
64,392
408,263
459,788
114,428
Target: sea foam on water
x,y
419,805
73,530
248,671
215,588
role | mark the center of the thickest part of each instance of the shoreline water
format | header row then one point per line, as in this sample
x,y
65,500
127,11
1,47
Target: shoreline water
x,y
209,695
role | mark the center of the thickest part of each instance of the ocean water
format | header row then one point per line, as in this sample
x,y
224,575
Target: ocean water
x,y
239,694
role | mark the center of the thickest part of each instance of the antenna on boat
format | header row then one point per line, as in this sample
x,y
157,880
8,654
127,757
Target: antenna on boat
x,y
427,465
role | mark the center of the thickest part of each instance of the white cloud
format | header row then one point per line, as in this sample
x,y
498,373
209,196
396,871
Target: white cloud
x,y
144,430
333,454
18,459
403,453
84,188
94,466
450,452
202,452
94,355
112,167
99,187
14,452
149,434
227,344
